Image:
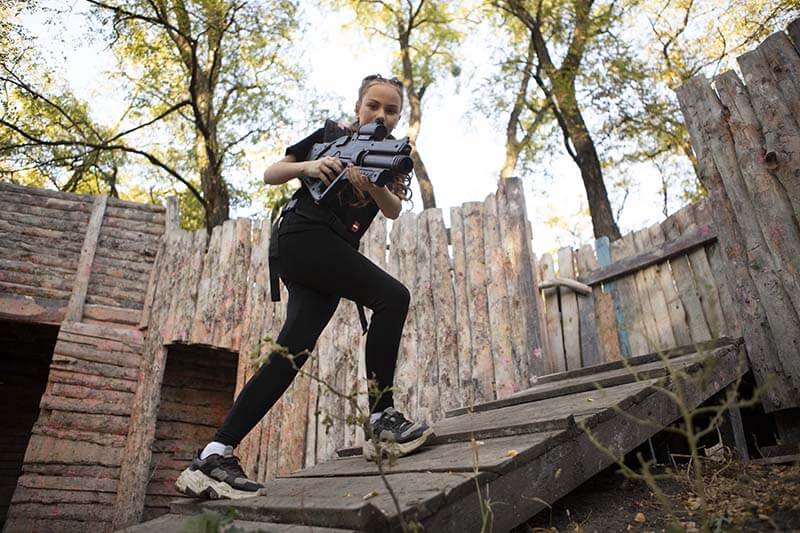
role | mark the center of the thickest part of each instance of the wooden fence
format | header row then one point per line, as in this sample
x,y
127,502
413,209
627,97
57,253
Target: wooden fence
x,y
472,332
746,135
652,290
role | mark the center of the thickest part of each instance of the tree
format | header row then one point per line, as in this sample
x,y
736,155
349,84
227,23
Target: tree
x,y
200,79
625,77
425,33
682,39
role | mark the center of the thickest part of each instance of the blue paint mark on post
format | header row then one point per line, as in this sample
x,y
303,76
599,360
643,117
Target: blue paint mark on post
x,y
603,252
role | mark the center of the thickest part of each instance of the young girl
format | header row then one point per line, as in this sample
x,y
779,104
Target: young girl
x,y
319,263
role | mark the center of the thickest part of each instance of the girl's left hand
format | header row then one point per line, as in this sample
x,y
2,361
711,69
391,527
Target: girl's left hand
x,y
360,181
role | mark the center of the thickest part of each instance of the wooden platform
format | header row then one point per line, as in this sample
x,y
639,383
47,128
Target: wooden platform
x,y
531,450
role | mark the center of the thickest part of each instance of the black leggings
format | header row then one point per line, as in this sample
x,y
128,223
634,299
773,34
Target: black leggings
x,y
318,267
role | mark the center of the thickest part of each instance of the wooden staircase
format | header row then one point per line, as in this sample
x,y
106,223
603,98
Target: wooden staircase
x,y
519,453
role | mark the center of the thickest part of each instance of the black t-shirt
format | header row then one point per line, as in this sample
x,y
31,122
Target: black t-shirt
x,y
355,219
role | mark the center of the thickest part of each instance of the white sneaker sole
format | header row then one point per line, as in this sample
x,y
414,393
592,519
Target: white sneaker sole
x,y
395,449
198,485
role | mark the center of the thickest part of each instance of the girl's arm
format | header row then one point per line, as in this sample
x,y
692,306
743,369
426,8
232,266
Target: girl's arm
x,y
284,170
287,168
387,201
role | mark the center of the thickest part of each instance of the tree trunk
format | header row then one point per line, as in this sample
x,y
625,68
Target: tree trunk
x,y
215,190
589,163
414,121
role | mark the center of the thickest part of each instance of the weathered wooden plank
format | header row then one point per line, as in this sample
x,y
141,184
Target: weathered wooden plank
x,y
40,278
401,250
684,282
102,439
35,292
556,472
19,194
347,376
127,233
587,382
99,354
508,369
555,336
174,523
103,424
632,263
52,257
587,314
130,337
136,206
675,309
312,414
495,455
444,316
769,72
293,426
477,304
45,223
344,502
44,449
462,318
428,405
641,359
521,279
135,468
89,380
549,413
771,199
793,29
704,280
658,302
701,214
44,210
603,250
62,362
205,309
632,311
570,321
767,336
257,319
156,216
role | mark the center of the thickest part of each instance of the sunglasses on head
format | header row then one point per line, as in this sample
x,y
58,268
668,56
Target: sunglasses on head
x,y
392,80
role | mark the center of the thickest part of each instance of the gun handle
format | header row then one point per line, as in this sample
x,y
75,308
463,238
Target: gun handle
x,y
328,194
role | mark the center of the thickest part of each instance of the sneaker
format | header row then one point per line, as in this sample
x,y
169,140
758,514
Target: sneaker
x,y
398,436
216,477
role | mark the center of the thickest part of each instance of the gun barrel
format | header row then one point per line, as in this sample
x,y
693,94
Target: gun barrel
x,y
396,163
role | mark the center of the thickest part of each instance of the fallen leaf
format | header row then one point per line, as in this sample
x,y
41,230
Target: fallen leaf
x,y
512,453
369,495
640,518
558,473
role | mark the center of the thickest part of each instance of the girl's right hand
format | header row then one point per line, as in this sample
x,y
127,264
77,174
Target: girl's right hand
x,y
326,169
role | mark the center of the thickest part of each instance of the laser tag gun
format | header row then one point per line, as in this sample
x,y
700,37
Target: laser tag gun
x,y
378,158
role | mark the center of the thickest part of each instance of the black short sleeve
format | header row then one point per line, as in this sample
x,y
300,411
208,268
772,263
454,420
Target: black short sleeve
x,y
300,149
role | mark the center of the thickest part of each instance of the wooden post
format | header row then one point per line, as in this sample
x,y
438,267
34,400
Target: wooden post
x,y
603,249
766,323
590,319
77,300
569,310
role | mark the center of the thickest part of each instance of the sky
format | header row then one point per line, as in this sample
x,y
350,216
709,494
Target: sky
x,y
462,150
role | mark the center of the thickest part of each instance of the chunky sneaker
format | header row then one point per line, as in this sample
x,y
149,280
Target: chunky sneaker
x,y
397,435
216,477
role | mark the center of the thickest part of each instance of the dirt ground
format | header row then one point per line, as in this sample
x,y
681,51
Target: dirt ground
x,y
741,498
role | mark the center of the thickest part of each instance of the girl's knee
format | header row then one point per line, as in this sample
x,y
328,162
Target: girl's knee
x,y
400,297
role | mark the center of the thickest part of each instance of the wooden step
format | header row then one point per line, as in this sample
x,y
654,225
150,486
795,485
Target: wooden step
x,y
503,454
605,375
175,523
